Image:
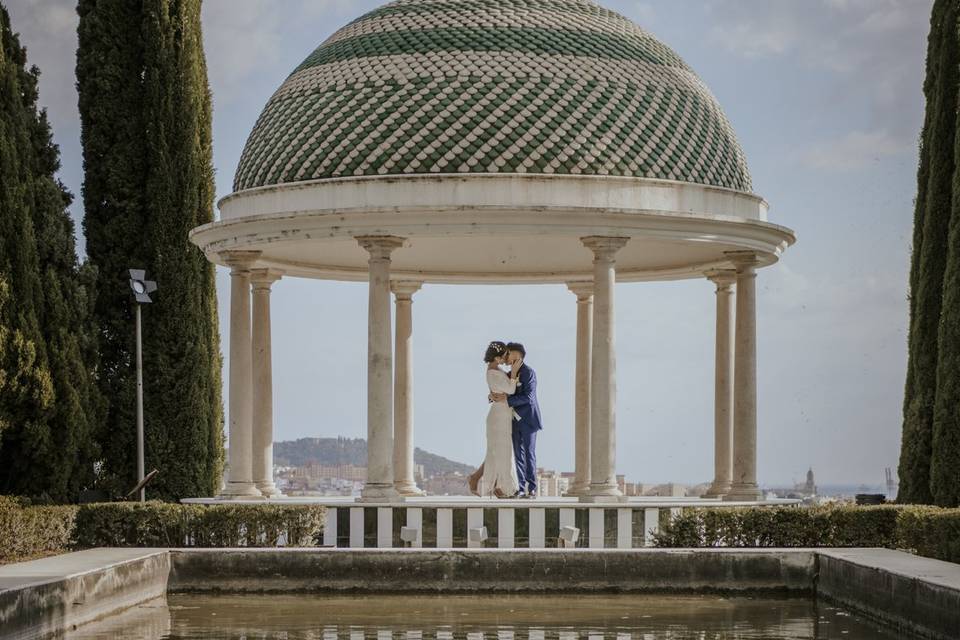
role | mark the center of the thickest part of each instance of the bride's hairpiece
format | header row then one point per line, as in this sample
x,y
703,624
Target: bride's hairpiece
x,y
495,349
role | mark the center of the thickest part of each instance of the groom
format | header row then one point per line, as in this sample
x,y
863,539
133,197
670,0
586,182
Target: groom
x,y
526,420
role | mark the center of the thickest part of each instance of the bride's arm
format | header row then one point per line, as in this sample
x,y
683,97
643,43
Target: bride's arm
x,y
501,383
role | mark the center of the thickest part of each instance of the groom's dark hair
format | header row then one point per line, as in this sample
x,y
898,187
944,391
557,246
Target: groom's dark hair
x,y
516,346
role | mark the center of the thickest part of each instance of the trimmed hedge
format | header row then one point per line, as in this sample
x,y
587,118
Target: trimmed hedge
x,y
29,531
161,524
932,532
927,531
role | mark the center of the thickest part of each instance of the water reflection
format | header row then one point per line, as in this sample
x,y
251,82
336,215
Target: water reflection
x,y
521,617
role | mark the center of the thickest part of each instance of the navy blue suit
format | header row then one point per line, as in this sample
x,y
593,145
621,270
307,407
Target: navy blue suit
x,y
524,403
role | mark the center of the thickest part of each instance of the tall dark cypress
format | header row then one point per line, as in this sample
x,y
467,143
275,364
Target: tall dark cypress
x,y
109,64
49,402
945,449
931,225
182,337
145,108
26,390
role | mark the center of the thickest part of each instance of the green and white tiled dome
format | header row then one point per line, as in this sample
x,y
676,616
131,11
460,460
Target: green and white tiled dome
x,y
492,86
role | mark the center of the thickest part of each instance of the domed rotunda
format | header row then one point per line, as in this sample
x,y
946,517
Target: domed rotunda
x,y
492,141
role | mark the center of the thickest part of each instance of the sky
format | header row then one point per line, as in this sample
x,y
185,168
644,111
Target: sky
x,y
826,98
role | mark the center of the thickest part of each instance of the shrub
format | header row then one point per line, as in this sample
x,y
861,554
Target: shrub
x,y
863,526
28,531
927,531
132,524
930,532
160,524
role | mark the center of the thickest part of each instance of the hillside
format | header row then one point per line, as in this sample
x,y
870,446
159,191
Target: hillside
x,y
330,451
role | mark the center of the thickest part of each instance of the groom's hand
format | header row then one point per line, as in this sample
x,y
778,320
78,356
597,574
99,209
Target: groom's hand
x,y
498,397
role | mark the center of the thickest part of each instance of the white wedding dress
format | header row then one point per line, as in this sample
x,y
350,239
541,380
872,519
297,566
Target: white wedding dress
x,y
499,468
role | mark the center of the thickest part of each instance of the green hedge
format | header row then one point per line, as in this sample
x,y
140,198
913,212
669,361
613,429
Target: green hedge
x,y
932,532
161,524
29,531
928,531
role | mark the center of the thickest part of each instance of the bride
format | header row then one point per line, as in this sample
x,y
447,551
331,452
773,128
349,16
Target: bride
x,y
499,469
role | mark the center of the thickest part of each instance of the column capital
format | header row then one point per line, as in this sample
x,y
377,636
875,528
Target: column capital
x,y
380,247
239,260
404,289
263,278
723,278
582,289
744,261
604,247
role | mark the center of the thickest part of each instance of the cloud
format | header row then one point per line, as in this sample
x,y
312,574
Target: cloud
x,y
867,53
642,13
246,40
839,35
854,150
48,29
750,41
241,39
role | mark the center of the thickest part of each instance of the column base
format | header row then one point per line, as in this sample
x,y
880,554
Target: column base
x,y
408,489
743,492
603,493
269,490
581,489
717,490
240,491
379,493
593,499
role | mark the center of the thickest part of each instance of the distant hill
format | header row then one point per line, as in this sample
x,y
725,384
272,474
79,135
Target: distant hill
x,y
329,451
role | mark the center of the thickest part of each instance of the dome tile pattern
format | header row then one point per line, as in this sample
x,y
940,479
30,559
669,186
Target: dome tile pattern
x,y
492,86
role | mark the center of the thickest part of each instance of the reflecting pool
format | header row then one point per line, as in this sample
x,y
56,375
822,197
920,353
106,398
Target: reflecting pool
x,y
476,617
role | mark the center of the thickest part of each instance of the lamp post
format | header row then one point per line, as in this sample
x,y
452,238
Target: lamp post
x,y
141,290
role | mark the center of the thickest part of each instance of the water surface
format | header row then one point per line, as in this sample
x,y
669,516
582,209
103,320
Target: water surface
x,y
477,617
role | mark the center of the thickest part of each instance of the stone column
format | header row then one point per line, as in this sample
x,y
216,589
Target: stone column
x,y
603,374
723,384
581,480
379,484
403,480
262,279
240,483
744,485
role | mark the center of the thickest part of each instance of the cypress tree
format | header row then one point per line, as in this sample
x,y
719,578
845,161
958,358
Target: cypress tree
x,y
945,450
109,61
145,109
26,390
928,262
47,346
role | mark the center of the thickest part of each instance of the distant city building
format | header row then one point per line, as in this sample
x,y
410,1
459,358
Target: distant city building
x,y
810,487
551,484
316,471
667,490
446,484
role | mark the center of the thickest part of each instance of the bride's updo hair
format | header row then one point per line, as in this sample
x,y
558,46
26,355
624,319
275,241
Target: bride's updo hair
x,y
494,350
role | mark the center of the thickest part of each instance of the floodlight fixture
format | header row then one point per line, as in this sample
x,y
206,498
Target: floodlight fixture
x,y
569,536
478,534
410,535
142,288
